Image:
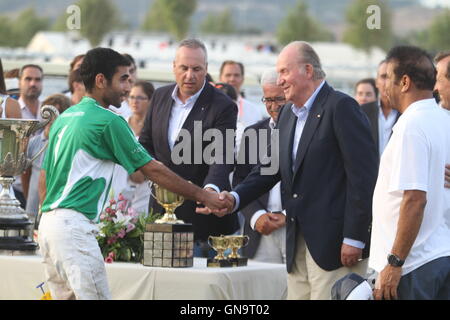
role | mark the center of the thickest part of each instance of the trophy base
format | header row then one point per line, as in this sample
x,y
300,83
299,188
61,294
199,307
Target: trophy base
x,y
16,237
24,244
169,219
168,245
227,263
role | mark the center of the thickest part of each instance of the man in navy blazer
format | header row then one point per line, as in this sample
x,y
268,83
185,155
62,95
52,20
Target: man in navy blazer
x,y
194,105
328,167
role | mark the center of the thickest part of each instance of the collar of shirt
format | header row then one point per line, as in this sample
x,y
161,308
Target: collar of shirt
x,y
87,99
303,110
26,113
272,123
417,105
190,101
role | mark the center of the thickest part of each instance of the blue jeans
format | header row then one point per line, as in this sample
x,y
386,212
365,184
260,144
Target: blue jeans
x,y
429,282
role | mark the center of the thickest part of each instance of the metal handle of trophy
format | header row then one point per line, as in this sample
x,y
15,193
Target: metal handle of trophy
x,y
210,241
48,113
30,161
150,185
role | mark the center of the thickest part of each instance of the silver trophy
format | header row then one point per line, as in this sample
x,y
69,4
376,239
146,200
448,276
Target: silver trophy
x,y
15,226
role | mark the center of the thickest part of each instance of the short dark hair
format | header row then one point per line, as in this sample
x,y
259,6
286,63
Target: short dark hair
x,y
227,62
30,66
227,89
146,86
440,56
101,61
370,81
74,76
414,62
129,57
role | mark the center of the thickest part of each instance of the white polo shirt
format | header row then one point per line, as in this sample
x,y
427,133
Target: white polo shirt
x,y
414,159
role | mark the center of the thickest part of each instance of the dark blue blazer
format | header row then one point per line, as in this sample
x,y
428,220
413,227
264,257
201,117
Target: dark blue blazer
x,y
328,194
241,171
215,110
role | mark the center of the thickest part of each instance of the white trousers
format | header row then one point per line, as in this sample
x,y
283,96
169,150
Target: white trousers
x,y
272,248
74,266
308,281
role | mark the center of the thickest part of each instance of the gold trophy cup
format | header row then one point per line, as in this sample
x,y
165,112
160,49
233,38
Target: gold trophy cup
x,y
220,244
237,242
169,201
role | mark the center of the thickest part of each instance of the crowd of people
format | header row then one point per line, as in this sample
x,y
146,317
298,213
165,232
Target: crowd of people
x,y
361,184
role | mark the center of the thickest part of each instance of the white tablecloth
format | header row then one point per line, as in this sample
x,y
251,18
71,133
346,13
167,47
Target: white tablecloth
x,y
19,276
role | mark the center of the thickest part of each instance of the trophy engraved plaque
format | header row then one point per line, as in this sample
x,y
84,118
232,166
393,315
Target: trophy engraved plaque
x,y
15,227
168,242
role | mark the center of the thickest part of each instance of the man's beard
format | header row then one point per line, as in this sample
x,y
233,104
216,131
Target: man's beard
x,y
114,100
32,95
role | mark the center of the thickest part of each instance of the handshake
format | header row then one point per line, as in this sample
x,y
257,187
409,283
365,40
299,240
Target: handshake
x,y
219,204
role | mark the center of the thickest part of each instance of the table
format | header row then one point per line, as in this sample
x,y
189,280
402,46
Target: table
x,y
19,276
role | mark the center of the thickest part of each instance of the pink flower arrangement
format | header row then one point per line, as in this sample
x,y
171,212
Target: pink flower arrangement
x,y
122,231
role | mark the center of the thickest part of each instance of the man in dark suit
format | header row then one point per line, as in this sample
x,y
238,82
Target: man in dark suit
x,y
381,116
265,218
173,133
328,168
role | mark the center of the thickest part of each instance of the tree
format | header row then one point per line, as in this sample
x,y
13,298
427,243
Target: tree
x,y
170,15
438,33
98,17
24,27
221,23
369,25
299,25
6,35
154,20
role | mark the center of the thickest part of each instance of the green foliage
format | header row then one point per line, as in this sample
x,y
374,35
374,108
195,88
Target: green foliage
x,y
6,35
121,236
299,25
19,32
154,20
439,32
434,39
221,23
98,17
359,35
172,16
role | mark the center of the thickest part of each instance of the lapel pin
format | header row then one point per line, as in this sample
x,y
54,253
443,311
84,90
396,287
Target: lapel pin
x,y
318,116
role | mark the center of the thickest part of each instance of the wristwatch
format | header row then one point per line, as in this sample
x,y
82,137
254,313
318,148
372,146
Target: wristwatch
x,y
394,260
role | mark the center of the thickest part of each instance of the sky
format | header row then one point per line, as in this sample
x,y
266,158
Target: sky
x,y
434,3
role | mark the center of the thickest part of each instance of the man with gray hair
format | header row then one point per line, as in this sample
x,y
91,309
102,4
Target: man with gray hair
x,y
175,112
328,168
265,218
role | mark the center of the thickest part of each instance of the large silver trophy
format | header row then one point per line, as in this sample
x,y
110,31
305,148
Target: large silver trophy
x,y
15,227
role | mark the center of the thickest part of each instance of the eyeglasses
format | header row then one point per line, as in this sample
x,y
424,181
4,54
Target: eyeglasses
x,y
270,100
138,98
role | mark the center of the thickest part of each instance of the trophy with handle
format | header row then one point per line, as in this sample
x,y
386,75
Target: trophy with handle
x,y
169,242
169,201
237,242
15,231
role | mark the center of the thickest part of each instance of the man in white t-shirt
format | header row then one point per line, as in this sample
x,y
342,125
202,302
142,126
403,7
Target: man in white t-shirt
x,y
410,245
